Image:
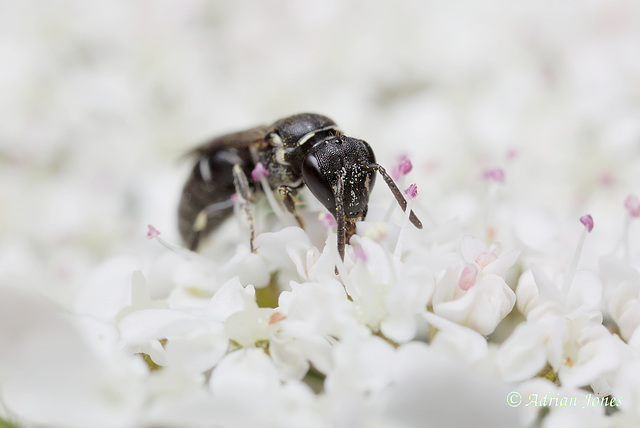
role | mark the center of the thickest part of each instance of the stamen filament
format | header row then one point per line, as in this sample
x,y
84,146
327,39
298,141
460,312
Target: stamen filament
x,y
260,173
401,236
625,238
153,233
411,192
587,221
632,204
494,177
275,207
403,168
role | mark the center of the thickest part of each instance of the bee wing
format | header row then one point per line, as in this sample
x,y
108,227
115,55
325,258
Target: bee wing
x,y
247,138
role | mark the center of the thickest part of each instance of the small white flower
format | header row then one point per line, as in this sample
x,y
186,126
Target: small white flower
x,y
192,342
248,379
292,343
387,295
322,306
622,296
475,293
456,340
232,297
249,326
567,326
295,345
538,294
523,354
589,352
362,363
248,267
282,250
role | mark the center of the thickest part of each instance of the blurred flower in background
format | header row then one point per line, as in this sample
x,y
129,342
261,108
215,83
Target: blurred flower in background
x,y
514,120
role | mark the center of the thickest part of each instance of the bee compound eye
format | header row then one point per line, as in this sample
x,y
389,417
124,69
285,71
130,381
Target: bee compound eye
x,y
318,183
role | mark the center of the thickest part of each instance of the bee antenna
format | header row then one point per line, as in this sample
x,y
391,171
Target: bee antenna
x,y
396,193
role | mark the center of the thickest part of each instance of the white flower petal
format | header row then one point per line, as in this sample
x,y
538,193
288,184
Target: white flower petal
x,y
430,390
526,292
362,363
627,387
244,370
597,354
523,354
493,302
403,308
471,247
108,291
547,290
198,351
51,375
322,306
231,297
248,326
456,340
272,246
585,294
248,267
148,324
502,263
294,346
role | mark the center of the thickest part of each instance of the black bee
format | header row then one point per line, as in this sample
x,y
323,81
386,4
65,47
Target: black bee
x,y
302,149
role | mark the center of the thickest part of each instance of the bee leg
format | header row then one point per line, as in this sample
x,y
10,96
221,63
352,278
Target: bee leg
x,y
340,216
287,194
244,195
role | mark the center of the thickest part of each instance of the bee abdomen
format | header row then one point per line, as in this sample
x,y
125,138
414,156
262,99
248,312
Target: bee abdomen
x,y
206,197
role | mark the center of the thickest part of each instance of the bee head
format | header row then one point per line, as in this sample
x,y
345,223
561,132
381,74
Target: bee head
x,y
337,171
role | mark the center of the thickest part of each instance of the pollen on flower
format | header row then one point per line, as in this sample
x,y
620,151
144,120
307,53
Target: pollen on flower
x,y
491,234
377,232
327,220
495,174
360,255
276,317
632,204
259,172
484,259
587,220
468,277
411,191
152,232
403,168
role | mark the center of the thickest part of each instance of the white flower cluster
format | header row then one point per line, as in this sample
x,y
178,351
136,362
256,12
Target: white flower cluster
x,y
275,338
511,120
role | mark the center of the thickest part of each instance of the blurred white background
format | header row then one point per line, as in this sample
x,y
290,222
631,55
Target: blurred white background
x,y
99,99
